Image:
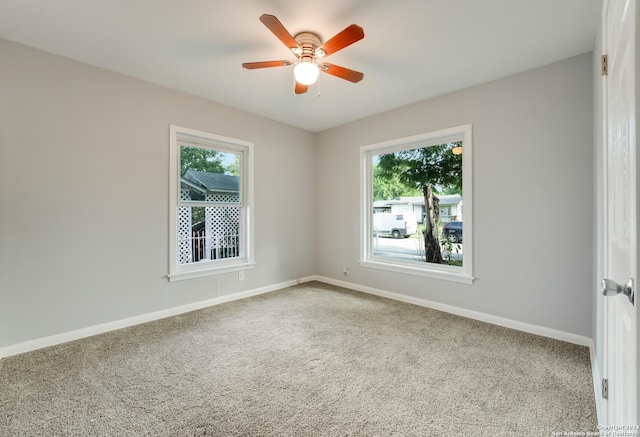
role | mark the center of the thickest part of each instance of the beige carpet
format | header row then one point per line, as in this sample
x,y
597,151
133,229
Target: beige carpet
x,y
311,360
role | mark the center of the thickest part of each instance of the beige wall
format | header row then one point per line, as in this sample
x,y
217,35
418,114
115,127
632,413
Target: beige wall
x,y
84,196
532,196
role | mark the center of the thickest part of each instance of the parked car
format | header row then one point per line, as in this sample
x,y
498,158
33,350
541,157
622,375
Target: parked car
x,y
452,231
396,225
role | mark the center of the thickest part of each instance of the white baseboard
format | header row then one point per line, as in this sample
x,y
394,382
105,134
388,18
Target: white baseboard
x,y
77,334
495,320
124,323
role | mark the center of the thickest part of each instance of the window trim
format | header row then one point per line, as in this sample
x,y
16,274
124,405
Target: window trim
x,y
462,274
177,271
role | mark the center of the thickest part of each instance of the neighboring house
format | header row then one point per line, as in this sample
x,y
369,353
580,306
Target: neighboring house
x,y
216,187
450,206
213,238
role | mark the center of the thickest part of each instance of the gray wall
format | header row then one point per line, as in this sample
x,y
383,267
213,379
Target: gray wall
x,y
84,196
532,193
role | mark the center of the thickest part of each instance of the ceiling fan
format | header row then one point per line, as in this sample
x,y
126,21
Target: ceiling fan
x,y
309,52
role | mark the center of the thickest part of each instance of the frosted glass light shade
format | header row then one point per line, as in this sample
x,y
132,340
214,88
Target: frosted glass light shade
x,y
306,73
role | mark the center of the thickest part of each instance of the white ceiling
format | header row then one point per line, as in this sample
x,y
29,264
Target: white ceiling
x,y
412,50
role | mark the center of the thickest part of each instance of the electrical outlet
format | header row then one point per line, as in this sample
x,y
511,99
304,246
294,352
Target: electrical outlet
x,y
345,271
241,275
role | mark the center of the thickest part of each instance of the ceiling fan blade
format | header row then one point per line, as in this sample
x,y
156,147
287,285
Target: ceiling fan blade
x,y
342,73
300,88
265,64
345,38
275,26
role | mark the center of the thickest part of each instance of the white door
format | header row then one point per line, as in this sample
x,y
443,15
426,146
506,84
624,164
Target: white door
x,y
621,218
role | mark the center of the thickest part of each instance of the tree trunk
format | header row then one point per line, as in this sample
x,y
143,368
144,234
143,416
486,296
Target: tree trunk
x,y
431,241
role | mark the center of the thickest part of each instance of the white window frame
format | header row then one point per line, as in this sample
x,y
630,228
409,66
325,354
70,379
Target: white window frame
x,y
462,274
202,139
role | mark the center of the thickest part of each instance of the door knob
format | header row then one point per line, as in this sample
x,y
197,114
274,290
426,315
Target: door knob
x,y
612,288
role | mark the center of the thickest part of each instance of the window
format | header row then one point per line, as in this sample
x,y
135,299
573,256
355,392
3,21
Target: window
x,y
211,194
445,212
431,174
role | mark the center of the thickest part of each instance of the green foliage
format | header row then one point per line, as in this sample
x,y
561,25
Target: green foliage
x,y
415,168
234,169
390,187
197,158
450,190
448,249
197,215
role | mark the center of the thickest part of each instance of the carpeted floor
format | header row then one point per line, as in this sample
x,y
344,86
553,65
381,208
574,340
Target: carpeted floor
x,y
310,360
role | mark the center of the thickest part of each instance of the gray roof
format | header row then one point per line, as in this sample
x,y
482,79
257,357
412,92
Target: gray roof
x,y
211,182
449,199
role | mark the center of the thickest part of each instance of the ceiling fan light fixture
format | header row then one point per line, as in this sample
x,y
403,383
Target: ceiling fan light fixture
x,y
306,72
457,150
308,49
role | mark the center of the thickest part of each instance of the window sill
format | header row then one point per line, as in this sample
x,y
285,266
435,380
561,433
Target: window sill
x,y
209,271
454,276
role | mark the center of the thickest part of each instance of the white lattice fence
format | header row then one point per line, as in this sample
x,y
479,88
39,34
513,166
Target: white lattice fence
x,y
220,237
222,224
223,198
185,254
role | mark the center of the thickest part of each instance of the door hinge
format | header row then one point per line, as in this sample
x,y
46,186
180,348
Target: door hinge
x,y
604,65
605,388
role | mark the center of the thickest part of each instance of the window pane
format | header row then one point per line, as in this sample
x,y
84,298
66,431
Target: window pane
x,y
417,205
211,218
208,233
208,175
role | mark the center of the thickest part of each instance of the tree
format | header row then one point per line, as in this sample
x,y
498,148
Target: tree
x,y
234,168
425,168
390,188
197,158
450,190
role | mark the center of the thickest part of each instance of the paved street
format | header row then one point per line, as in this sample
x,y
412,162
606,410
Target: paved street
x,y
406,249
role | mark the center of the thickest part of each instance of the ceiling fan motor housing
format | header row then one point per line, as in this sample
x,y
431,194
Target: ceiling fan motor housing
x,y
309,43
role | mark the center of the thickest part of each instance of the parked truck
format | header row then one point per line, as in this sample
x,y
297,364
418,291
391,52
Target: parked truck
x,y
395,224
